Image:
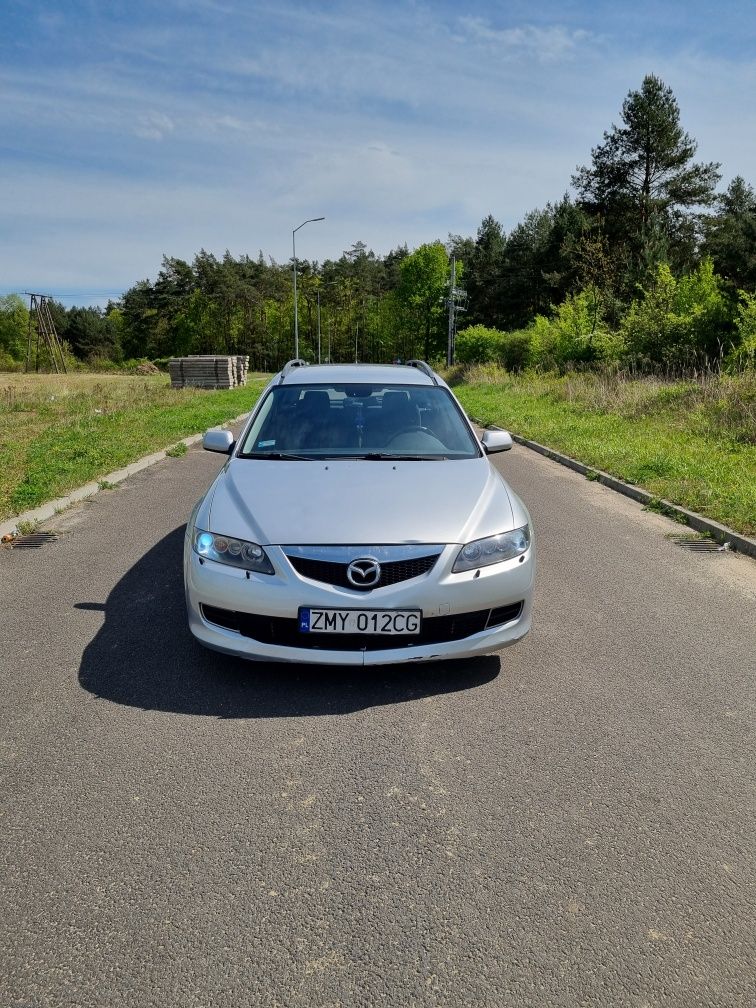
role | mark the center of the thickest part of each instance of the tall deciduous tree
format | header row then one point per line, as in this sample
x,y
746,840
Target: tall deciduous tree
x,y
422,288
643,181
14,325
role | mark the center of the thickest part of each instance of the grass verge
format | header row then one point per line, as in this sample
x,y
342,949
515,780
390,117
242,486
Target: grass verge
x,y
58,432
689,443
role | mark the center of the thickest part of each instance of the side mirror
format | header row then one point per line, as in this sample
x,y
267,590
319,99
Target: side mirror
x,y
496,441
218,441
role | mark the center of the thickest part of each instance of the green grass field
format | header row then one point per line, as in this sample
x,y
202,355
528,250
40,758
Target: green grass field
x,y
691,443
57,432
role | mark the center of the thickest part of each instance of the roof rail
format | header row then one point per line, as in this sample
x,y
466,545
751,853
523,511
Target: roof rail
x,y
290,365
425,368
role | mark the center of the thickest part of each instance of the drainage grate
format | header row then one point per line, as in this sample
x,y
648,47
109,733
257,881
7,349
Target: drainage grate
x,y
34,539
699,544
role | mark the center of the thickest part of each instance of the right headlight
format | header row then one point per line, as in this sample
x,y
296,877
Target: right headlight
x,y
234,552
494,549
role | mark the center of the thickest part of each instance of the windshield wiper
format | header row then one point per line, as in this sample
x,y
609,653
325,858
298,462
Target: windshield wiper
x,y
390,456
370,456
279,456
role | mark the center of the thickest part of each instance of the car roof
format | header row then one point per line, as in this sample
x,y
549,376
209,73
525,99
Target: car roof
x,y
388,374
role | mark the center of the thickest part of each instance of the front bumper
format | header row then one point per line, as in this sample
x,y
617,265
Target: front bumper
x,y
437,594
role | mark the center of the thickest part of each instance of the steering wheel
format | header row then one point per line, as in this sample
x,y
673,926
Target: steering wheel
x,y
416,429
409,430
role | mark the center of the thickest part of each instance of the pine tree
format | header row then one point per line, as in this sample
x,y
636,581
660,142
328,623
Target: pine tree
x,y
731,236
484,274
643,183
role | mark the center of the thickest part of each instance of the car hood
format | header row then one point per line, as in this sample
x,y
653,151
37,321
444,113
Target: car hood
x,y
354,501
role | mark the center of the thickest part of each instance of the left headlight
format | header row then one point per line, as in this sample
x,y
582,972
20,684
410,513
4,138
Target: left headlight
x,y
234,552
494,549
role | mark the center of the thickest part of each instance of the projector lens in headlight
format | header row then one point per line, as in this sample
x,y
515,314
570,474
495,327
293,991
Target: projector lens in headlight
x,y
494,549
234,552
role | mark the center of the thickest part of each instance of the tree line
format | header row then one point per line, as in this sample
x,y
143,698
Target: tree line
x,y
645,261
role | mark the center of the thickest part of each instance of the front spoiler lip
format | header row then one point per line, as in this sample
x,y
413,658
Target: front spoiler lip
x,y
231,643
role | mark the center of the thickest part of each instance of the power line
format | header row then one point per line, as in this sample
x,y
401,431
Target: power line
x,y
86,294
97,294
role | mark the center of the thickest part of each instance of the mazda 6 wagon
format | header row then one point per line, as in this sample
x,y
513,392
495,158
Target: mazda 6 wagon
x,y
358,521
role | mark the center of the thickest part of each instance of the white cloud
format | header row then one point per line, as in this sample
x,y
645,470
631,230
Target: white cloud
x,y
153,126
238,125
547,44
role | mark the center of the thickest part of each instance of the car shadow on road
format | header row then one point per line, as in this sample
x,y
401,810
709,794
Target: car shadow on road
x,y
144,656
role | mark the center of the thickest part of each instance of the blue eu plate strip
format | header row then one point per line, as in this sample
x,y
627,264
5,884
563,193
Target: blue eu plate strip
x,y
304,620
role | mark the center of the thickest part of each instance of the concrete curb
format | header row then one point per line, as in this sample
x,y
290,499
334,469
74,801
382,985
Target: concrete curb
x,y
721,533
49,510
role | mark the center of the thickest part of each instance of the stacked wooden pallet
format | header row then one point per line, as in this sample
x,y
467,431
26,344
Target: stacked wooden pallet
x,y
242,367
214,372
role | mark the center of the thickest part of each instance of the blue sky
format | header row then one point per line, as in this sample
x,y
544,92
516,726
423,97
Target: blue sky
x,y
129,130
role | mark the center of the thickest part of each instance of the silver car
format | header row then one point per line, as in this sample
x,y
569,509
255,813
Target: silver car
x,y
358,521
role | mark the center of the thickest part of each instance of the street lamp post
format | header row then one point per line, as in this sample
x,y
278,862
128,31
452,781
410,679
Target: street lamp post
x,y
311,220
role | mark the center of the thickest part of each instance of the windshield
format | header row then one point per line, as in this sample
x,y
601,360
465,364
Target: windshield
x,y
359,421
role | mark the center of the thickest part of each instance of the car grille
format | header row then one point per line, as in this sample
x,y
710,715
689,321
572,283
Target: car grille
x,y
435,630
336,573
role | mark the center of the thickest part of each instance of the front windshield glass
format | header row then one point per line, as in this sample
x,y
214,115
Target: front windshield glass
x,y
359,421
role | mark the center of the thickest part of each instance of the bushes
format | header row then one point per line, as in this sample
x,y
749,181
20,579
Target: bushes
x,y
477,345
8,363
678,325
744,354
515,349
576,334
480,345
678,321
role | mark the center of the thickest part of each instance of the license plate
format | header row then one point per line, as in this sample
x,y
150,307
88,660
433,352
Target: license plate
x,y
360,621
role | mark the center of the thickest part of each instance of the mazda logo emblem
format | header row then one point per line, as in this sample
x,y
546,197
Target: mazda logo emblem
x,y
364,573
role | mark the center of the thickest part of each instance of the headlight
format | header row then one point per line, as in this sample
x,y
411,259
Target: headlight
x,y
482,552
234,552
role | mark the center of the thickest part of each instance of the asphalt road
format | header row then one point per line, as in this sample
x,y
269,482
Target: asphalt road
x,y
568,823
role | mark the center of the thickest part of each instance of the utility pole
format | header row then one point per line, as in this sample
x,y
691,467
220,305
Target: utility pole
x,y
454,294
39,311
